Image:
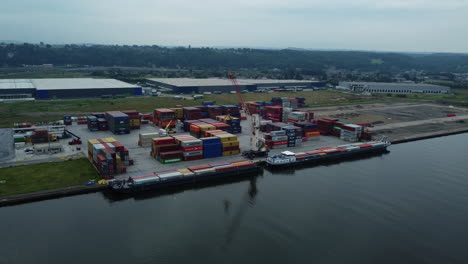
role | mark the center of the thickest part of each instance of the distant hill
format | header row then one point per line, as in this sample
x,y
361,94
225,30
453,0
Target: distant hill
x,y
172,57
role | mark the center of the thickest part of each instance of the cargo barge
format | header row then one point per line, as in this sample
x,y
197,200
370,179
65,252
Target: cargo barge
x,y
288,158
190,175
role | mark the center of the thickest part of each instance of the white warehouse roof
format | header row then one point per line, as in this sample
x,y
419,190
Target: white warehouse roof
x,y
63,84
16,84
219,81
79,83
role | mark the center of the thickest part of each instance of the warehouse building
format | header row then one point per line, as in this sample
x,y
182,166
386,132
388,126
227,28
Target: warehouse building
x,y
66,88
11,89
401,88
192,85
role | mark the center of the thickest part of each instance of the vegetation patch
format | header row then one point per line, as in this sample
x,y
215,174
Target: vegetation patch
x,y
45,176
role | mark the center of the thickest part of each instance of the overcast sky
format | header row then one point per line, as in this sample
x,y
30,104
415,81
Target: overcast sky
x,y
390,25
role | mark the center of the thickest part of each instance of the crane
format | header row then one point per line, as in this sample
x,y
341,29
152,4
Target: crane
x,y
257,143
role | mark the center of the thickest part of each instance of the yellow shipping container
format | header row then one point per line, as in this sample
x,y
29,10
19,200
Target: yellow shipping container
x,y
206,127
231,152
184,170
108,140
91,142
179,112
230,144
118,162
227,137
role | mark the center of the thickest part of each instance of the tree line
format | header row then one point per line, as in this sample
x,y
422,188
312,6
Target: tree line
x,y
17,55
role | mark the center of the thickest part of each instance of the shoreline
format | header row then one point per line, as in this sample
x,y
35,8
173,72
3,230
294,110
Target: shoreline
x,y
77,190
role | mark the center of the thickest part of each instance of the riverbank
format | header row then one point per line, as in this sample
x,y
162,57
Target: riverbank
x,y
82,189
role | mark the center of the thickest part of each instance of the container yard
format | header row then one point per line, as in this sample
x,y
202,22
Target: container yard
x,y
126,143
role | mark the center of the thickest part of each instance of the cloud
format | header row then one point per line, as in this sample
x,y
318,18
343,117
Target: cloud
x,y
413,25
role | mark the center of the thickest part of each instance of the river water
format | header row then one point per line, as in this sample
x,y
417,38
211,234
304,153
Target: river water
x,y
407,206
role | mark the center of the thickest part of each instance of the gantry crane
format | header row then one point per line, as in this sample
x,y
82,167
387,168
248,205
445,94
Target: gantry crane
x,y
257,143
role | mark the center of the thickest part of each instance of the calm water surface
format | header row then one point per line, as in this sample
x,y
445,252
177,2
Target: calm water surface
x,y
408,206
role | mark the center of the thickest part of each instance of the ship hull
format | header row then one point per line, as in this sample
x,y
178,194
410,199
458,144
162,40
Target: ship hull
x,y
189,180
330,157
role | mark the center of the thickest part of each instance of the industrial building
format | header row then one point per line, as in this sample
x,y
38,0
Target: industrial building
x,y
192,85
65,88
401,88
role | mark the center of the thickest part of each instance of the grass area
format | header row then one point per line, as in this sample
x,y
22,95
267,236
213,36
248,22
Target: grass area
x,y
53,110
39,177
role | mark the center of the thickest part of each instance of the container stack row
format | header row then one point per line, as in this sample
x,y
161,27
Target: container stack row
x,y
229,142
134,118
294,135
192,113
309,131
175,175
165,150
232,110
164,117
118,122
178,112
145,139
41,136
109,157
233,122
276,139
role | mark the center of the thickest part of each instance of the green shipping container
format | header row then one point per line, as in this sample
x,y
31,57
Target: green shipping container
x,y
167,161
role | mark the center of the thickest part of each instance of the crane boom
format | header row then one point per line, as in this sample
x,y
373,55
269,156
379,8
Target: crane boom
x,y
257,143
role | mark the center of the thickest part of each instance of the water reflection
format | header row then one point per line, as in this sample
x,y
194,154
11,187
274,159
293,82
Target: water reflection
x,y
247,201
113,196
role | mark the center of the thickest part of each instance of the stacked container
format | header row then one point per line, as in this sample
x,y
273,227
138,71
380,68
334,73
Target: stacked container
x,y
162,117
145,139
192,148
212,147
41,136
214,111
119,123
93,124
294,135
166,150
276,139
192,113
232,110
67,120
102,124
273,113
108,156
135,118
229,142
325,125
253,107
82,120
233,122
285,115
351,132
178,112
295,117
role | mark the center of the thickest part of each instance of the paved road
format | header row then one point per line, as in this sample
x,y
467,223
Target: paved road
x,y
419,122
7,150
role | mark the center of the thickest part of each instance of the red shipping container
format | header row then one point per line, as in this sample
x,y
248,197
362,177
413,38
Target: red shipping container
x,y
189,158
171,154
226,168
199,167
163,141
282,142
189,149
